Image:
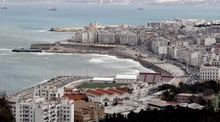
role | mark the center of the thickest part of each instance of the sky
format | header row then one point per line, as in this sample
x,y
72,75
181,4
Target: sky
x,y
133,1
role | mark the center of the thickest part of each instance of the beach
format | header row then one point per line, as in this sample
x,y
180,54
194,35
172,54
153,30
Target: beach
x,y
115,50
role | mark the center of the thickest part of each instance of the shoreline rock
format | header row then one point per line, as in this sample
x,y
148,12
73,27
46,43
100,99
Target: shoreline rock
x,y
65,29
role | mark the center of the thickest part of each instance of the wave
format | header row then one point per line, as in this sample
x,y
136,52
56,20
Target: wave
x,y
48,54
95,60
133,72
5,51
42,31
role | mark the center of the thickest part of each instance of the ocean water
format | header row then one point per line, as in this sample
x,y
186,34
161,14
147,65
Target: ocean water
x,y
25,23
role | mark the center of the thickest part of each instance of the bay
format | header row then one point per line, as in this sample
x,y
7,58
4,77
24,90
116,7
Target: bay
x,y
25,23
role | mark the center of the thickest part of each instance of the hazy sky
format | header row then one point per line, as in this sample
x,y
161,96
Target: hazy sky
x,y
106,0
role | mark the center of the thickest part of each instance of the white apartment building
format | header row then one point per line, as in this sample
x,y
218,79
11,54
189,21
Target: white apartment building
x,y
172,52
25,112
189,23
209,41
67,111
85,37
168,25
46,112
40,110
127,38
81,37
209,72
106,38
48,92
159,46
194,58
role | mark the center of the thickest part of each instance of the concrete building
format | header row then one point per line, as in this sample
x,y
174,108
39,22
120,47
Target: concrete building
x,y
106,96
154,78
209,41
169,25
159,46
194,59
88,111
184,97
127,38
74,94
103,80
125,79
105,37
172,52
85,37
209,72
157,104
48,92
67,110
40,110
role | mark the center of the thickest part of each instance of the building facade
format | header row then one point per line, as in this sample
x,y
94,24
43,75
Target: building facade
x,y
209,72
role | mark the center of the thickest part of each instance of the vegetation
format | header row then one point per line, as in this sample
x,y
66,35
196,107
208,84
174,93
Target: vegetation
x,y
207,88
179,114
99,85
5,111
204,89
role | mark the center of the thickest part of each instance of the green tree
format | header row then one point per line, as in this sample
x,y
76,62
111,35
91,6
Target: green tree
x,y
5,111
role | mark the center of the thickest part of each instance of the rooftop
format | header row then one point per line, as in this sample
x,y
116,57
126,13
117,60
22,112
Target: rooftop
x,y
132,77
75,97
103,79
94,92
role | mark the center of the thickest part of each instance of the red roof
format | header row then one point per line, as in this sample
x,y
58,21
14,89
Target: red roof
x,y
96,93
68,90
79,96
172,103
115,91
105,91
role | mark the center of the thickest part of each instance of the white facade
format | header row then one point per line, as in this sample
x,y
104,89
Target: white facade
x,y
172,52
45,112
127,38
25,112
159,46
106,38
106,96
81,37
85,37
103,80
67,112
125,78
162,50
40,110
48,92
209,72
209,41
194,58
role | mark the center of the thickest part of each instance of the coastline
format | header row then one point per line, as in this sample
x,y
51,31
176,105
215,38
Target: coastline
x,y
114,50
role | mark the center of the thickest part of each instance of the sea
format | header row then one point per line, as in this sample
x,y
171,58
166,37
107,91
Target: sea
x,y
23,24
